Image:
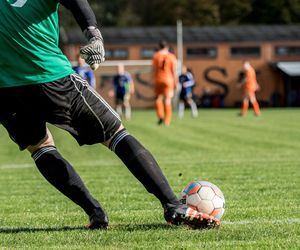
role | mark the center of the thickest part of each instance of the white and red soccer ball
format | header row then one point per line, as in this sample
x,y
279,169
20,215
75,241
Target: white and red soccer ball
x,y
204,197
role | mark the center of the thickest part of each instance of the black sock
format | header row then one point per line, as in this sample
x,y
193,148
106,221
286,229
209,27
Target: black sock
x,y
143,166
62,175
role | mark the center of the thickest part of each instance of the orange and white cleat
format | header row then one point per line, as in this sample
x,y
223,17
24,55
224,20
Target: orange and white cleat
x,y
182,214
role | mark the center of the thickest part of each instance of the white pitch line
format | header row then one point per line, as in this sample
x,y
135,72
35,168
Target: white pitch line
x,y
263,221
85,163
16,166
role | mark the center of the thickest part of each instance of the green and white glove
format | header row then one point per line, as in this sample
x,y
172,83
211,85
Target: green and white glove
x,y
93,53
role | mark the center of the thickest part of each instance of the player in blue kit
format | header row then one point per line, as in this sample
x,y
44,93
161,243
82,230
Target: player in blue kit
x,y
186,81
85,71
123,89
38,86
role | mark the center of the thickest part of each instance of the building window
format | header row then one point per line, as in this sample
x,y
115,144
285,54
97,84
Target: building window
x,y
116,53
202,52
287,51
245,51
148,52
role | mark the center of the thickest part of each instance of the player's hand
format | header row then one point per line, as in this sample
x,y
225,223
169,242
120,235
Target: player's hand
x,y
93,53
257,87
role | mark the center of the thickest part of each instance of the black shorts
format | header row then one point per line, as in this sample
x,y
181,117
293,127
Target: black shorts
x,y
69,103
185,96
119,98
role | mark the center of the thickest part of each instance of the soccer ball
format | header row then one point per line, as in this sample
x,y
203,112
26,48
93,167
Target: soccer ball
x,y
204,197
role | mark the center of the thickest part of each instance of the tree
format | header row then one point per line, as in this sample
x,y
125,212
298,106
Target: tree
x,y
232,11
274,12
192,12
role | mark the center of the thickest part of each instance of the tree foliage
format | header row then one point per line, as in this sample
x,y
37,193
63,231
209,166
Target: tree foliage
x,y
191,12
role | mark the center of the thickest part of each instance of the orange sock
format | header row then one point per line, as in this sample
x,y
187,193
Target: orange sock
x,y
245,106
159,106
168,113
256,107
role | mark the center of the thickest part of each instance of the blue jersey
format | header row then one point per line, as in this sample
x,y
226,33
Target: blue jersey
x,y
122,83
87,74
187,82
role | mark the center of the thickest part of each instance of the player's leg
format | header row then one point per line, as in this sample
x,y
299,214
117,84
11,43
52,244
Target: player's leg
x,y
144,167
168,110
192,105
160,110
159,103
181,109
127,106
245,104
60,173
141,164
169,93
24,121
255,104
119,102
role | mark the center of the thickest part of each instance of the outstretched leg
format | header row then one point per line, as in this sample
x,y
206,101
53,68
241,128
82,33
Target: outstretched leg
x,y
144,167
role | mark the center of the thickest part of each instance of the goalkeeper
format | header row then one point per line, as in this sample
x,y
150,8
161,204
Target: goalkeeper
x,y
38,85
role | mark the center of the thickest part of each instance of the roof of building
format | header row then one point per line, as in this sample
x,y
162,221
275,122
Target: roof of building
x,y
289,68
149,35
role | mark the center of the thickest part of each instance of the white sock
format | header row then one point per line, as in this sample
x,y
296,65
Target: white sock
x,y
128,113
194,109
181,110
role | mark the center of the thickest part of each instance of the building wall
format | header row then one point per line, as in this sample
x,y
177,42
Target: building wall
x,y
213,74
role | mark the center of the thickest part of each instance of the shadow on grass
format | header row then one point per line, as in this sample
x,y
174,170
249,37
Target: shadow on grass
x,y
113,227
141,227
38,229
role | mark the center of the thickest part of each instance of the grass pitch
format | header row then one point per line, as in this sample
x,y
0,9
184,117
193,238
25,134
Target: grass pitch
x,y
254,160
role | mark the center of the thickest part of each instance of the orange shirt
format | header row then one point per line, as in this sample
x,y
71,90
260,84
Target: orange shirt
x,y
164,66
250,80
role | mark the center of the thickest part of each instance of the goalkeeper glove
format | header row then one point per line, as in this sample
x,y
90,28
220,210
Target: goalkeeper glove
x,y
93,53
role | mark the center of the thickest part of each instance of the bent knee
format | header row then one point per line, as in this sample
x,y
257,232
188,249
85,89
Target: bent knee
x,y
45,142
106,143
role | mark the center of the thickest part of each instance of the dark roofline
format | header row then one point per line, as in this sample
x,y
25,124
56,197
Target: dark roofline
x,y
151,35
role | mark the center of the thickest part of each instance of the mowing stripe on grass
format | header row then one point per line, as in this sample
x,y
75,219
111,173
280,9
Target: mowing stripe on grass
x,y
264,221
84,163
169,161
16,166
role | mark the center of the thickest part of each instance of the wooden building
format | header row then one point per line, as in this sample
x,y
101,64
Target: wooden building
x,y
215,56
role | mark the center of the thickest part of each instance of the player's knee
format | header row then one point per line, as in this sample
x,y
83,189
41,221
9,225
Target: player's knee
x,y
168,101
159,98
106,143
45,142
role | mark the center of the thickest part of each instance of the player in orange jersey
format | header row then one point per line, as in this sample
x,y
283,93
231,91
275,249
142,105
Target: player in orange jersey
x,y
165,82
250,86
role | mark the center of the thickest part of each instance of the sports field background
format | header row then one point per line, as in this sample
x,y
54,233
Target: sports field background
x,y
254,160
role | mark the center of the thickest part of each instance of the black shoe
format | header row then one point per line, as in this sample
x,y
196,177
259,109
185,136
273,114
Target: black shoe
x,y
174,214
98,220
182,214
160,121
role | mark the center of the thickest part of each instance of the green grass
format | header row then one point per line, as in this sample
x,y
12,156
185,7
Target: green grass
x,y
254,160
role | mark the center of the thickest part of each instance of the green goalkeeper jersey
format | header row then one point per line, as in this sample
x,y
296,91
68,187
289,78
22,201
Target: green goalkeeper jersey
x,y
29,52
